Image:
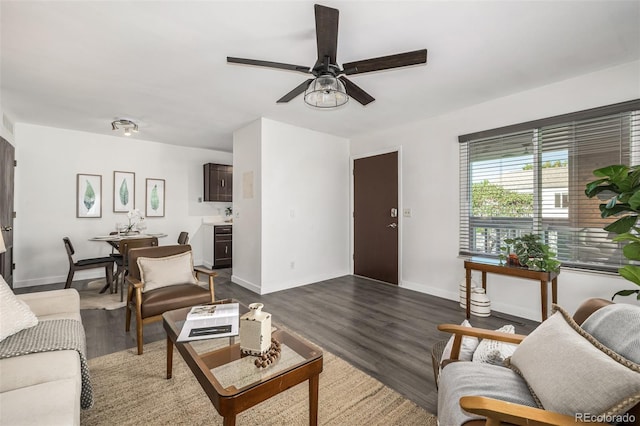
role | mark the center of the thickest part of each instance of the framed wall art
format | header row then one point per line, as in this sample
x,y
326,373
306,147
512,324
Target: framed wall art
x,y
154,196
124,191
88,195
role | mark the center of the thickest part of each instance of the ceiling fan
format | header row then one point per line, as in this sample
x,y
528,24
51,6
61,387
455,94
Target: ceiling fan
x,y
330,88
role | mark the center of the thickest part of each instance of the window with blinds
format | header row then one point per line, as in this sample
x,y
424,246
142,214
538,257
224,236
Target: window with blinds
x,y
531,177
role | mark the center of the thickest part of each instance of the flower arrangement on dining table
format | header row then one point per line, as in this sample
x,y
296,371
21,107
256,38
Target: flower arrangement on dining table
x,y
136,222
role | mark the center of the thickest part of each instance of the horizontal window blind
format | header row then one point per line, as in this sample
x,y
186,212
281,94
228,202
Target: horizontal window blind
x,y
533,181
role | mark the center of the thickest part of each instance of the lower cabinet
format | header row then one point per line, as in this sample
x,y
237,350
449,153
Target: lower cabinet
x,y
222,240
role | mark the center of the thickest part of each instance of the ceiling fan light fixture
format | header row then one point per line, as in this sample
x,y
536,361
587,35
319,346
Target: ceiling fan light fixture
x,y
326,91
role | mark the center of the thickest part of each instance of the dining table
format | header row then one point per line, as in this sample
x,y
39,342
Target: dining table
x,y
114,239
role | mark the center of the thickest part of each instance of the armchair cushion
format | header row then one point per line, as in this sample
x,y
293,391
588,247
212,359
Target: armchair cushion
x,y
15,315
157,272
554,358
460,379
173,297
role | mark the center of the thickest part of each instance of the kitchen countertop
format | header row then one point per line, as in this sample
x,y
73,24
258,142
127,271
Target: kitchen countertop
x,y
219,223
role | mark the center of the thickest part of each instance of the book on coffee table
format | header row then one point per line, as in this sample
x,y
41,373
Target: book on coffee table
x,y
211,321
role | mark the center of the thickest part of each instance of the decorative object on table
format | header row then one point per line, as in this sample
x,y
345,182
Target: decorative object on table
x,y
255,330
480,303
618,186
531,252
210,321
124,191
228,213
88,195
271,356
154,196
135,219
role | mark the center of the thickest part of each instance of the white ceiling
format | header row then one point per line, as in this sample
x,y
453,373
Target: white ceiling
x,y
81,64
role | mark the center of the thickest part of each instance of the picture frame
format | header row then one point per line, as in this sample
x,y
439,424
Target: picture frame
x,y
88,195
154,197
124,191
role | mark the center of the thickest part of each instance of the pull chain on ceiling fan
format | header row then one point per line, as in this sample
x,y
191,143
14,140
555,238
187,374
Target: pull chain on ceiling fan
x,y
330,88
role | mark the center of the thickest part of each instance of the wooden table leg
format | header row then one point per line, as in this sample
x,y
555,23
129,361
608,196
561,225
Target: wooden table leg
x,y
554,290
169,358
229,420
468,293
543,297
314,383
484,280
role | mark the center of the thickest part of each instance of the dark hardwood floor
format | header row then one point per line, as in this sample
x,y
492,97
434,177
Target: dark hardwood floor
x,y
383,330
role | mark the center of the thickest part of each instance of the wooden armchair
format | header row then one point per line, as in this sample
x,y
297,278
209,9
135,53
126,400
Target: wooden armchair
x,y
474,399
163,279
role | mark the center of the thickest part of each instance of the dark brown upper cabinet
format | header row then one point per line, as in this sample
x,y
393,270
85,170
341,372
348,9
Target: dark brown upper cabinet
x,y
218,182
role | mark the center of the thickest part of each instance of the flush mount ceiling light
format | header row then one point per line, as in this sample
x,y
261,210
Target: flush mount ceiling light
x,y
127,125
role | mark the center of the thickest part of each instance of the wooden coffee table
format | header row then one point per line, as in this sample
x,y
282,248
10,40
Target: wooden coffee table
x,y
231,381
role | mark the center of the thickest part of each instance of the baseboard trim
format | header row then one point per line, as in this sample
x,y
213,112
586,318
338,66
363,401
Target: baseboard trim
x,y
246,284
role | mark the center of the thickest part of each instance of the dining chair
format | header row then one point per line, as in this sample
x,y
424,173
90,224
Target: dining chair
x,y
183,238
162,279
122,259
105,262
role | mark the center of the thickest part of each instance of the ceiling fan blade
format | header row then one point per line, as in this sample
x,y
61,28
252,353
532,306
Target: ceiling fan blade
x,y
268,64
295,92
326,33
356,92
386,62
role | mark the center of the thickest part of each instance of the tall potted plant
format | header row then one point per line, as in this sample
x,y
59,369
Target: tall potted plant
x,y
619,187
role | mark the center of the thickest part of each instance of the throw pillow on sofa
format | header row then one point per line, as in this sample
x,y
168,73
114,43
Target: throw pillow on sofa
x,y
468,346
570,372
15,315
495,352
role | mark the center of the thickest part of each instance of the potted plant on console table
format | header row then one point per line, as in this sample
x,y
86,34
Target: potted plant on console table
x,y
529,251
619,187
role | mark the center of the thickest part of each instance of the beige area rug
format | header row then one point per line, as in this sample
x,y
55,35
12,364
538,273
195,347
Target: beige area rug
x,y
131,390
90,297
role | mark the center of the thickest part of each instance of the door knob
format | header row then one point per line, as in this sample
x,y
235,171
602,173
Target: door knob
x,y
6,228
392,225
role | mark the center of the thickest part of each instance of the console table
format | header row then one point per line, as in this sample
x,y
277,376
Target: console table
x,y
494,267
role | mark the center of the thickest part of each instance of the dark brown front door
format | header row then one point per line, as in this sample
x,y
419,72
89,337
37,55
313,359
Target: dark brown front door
x,y
7,156
375,217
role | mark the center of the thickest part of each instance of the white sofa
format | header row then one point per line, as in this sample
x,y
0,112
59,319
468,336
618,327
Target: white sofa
x,y
43,388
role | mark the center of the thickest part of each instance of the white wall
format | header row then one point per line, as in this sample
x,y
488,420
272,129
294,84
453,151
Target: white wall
x,y
305,206
301,202
247,203
430,179
45,193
